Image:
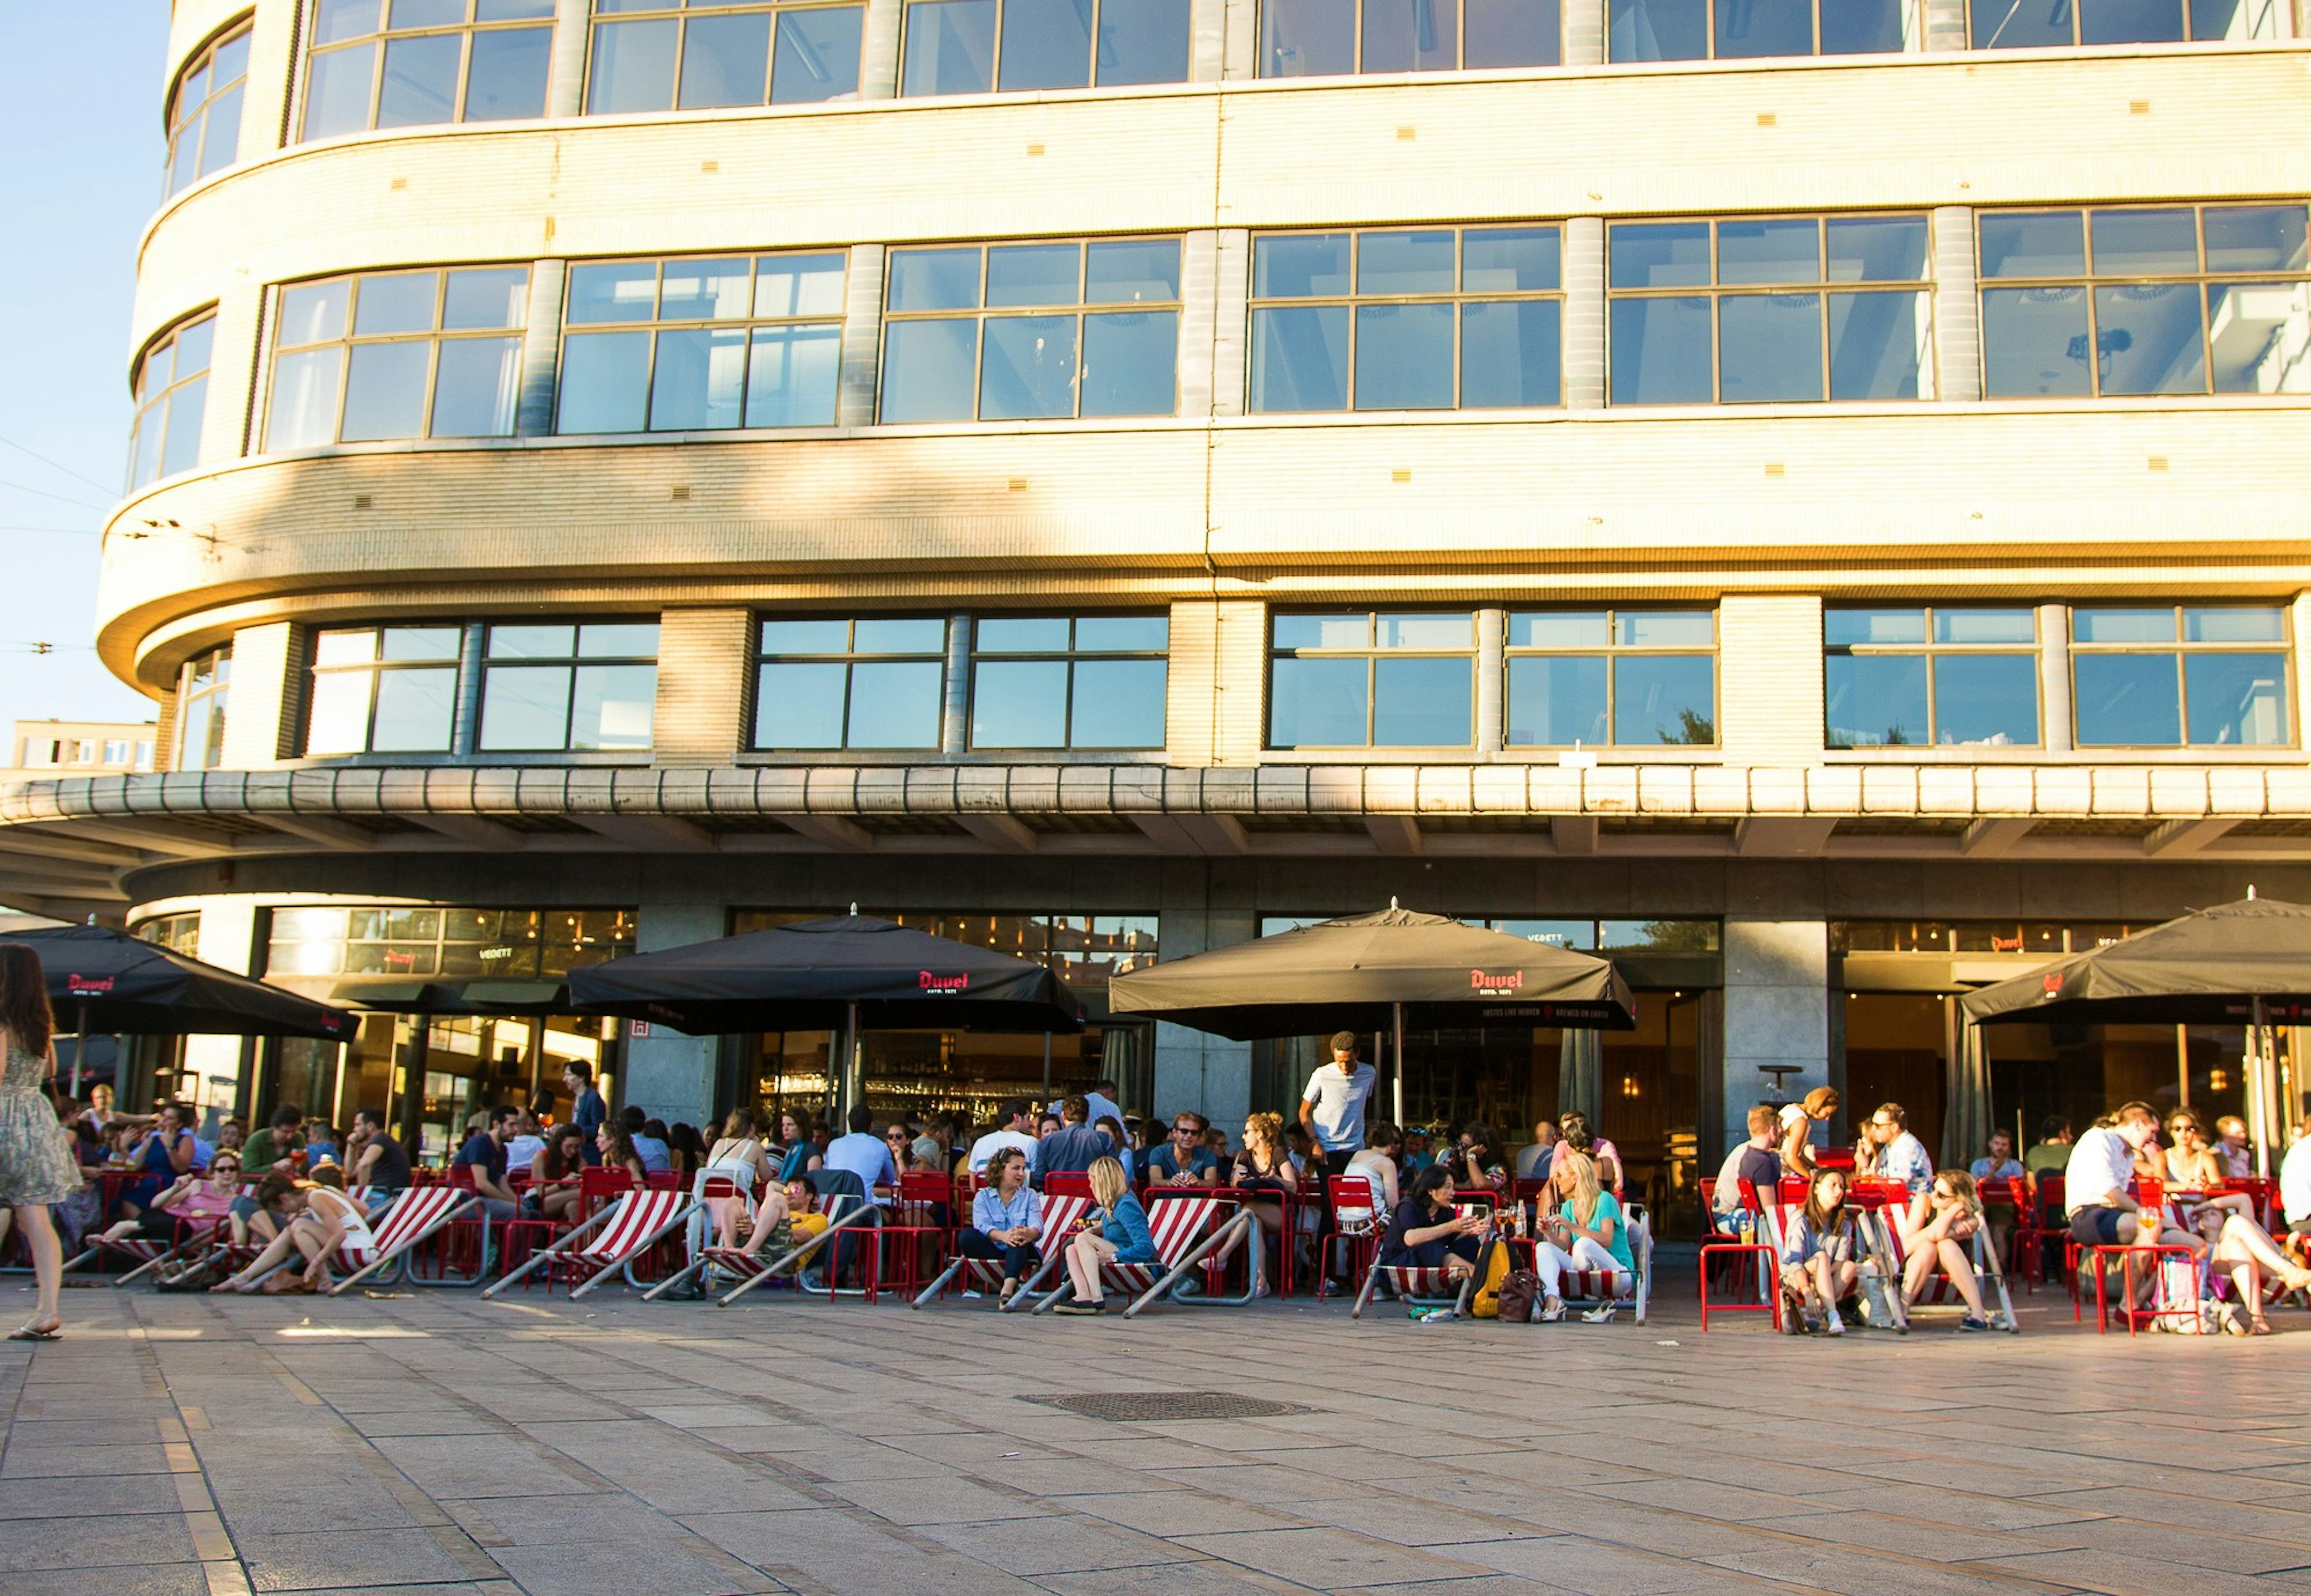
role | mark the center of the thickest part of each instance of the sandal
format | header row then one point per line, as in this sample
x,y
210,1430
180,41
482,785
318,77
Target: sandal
x,y
28,1332
2257,1325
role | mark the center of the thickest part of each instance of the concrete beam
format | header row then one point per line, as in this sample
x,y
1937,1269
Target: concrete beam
x,y
1398,836
1001,832
472,829
657,833
1988,839
313,828
56,845
832,831
1222,834
2179,838
151,835
1166,832
1574,833
1781,836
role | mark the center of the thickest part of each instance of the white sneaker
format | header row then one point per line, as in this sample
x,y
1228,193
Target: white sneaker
x,y
1833,1325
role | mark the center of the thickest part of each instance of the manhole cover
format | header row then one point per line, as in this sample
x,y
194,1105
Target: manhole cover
x,y
1150,1407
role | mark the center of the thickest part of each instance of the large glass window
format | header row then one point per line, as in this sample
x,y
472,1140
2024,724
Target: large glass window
x,y
2145,300
407,63
689,54
1331,38
172,388
501,943
1761,311
1745,29
2209,677
1022,332
1934,675
397,354
2023,25
695,346
1365,680
590,688
1061,682
1429,318
870,683
383,690
203,688
970,47
1628,678
205,111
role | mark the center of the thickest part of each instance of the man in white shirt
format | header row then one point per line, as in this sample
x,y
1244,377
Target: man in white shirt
x,y
2295,1182
1332,1108
2096,1198
862,1153
1017,1131
1901,1156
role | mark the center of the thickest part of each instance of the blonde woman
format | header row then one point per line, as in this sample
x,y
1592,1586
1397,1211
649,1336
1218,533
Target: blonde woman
x,y
1943,1218
1266,1164
1122,1236
1587,1231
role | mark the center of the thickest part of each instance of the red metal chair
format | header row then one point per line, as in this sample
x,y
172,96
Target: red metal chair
x,y
913,1228
1064,1183
1763,1255
1359,1215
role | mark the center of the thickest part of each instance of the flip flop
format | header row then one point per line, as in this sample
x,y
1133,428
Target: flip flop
x,y
27,1333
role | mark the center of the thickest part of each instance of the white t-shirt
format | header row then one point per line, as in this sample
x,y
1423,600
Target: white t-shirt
x,y
2295,1180
1340,1099
1794,1114
522,1151
994,1141
2100,1163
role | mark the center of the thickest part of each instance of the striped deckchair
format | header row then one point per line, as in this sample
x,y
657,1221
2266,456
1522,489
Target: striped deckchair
x,y
1418,1288
1184,1231
1887,1232
610,1242
1634,1286
986,1274
414,1217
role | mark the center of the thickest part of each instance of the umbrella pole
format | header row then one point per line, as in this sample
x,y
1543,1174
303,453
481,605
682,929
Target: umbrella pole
x,y
2265,1121
853,1091
80,1050
1398,1079
1046,1066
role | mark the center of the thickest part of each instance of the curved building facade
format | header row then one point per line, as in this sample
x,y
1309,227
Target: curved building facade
x,y
1807,496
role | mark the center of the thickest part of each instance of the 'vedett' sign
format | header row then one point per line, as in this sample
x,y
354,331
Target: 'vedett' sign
x,y
88,986
1485,980
928,983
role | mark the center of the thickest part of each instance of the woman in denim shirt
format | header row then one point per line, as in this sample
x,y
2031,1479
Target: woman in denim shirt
x,y
1122,1237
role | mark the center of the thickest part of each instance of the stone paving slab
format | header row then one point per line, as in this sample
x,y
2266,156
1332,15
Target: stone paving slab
x,y
428,1442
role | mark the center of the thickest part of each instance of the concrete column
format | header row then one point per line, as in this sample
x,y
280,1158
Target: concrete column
x,y
274,42
540,348
2054,677
1584,32
1584,313
1240,47
862,337
878,49
219,1064
955,717
465,724
1769,693
1199,289
1231,327
700,718
1492,632
1194,1070
236,354
1207,40
670,1075
1776,1010
565,83
1945,25
1957,309
261,723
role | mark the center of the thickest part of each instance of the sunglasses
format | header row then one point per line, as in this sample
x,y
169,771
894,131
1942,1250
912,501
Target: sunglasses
x,y
896,1136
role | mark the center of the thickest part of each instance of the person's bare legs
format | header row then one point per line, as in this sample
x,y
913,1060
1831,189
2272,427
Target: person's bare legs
x,y
316,1263
1086,1253
276,1252
47,1264
2245,1239
768,1217
1960,1268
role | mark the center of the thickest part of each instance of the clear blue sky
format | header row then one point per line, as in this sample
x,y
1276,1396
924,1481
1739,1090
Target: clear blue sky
x,y
79,174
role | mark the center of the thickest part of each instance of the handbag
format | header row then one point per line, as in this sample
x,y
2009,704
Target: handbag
x,y
1519,1296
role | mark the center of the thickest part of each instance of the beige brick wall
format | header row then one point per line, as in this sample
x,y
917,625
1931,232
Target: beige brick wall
x,y
703,658
260,714
1217,685
1769,700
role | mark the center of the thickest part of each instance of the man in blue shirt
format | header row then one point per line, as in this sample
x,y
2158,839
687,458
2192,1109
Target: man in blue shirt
x,y
1073,1147
652,1150
586,1109
1901,1156
484,1154
1184,1160
862,1153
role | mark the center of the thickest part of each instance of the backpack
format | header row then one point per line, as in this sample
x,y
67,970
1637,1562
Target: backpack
x,y
1520,1294
1492,1272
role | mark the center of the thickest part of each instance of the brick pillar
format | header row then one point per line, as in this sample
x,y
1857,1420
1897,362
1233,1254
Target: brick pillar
x,y
1769,696
565,83
702,659
862,337
1584,313
1958,309
540,348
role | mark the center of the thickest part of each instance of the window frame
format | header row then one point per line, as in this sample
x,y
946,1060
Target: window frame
x,y
213,693
2188,35
1460,297
1612,652
1072,656
1357,51
849,659
375,666
379,38
570,665
1081,310
1824,288
434,338
656,324
995,57
176,119
2091,282
164,402
1370,652
1913,36
678,13
1931,652
2182,653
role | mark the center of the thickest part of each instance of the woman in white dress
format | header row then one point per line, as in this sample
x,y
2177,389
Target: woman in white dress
x,y
37,1167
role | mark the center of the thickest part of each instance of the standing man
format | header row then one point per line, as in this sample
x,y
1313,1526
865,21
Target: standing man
x,y
1016,1130
1332,1108
586,1109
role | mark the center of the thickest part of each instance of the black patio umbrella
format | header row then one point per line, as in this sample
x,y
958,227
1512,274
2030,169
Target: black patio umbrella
x,y
2244,964
121,983
1373,971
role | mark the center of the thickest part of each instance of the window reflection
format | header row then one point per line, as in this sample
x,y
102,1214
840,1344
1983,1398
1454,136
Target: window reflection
x,y
1939,676
1629,677
409,63
2146,677
1362,679
1061,682
1336,38
1739,29
655,57
975,46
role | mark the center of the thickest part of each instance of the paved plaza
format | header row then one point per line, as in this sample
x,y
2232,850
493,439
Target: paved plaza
x,y
429,1442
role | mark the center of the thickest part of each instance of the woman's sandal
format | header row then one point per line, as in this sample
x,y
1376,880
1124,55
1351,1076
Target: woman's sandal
x,y
28,1332
2258,1325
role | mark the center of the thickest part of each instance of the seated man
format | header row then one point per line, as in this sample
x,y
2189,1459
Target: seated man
x,y
484,1153
1184,1160
2098,1192
1756,1161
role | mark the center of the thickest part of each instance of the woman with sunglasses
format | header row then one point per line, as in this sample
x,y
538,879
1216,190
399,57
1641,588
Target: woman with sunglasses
x,y
902,1143
1943,1218
2189,1164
